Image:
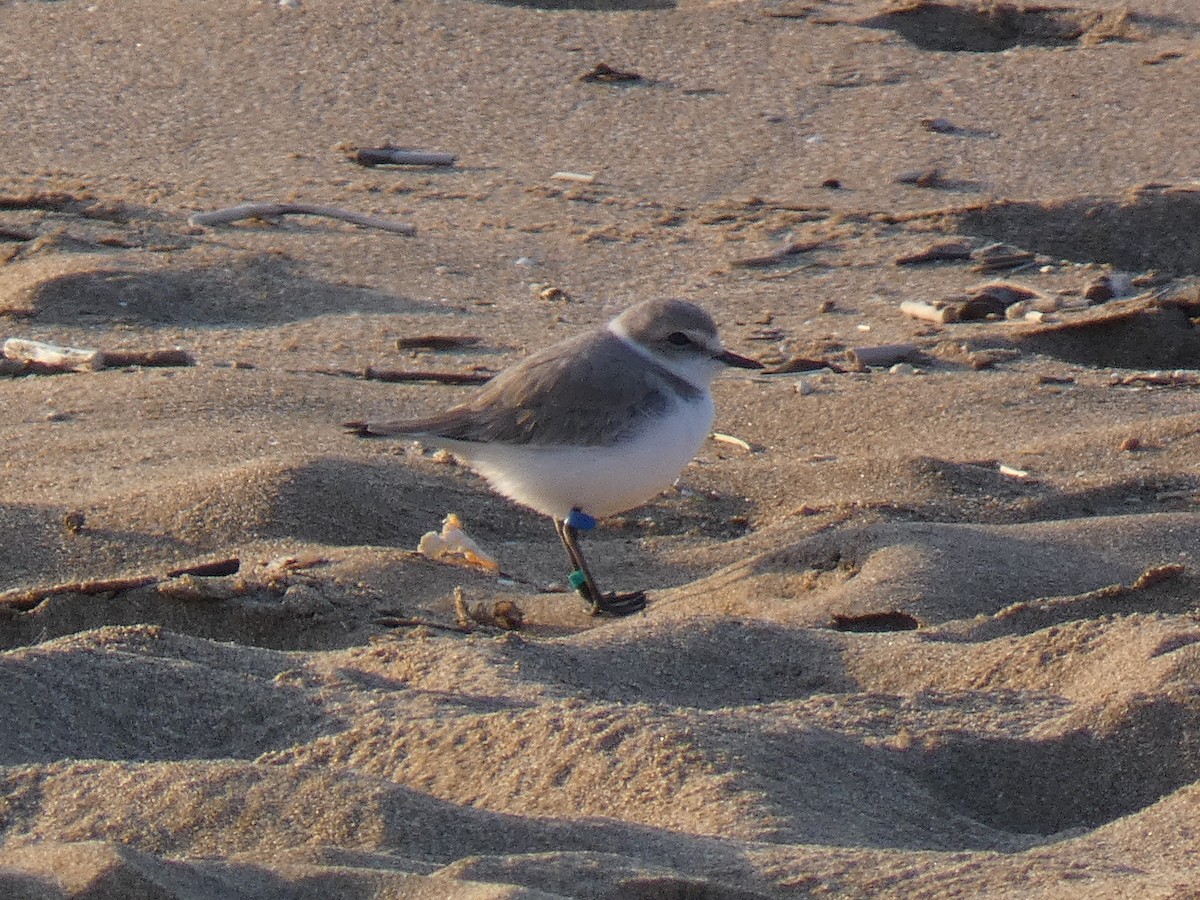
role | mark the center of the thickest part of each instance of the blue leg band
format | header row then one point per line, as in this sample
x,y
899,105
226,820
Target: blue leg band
x,y
580,521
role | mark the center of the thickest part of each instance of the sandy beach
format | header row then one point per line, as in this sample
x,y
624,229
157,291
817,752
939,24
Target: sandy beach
x,y
922,622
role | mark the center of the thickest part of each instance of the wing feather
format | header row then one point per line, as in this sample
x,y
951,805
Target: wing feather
x,y
591,390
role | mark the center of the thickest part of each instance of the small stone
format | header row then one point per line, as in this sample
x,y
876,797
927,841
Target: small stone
x,y
304,600
508,615
985,359
553,294
924,178
1099,290
939,125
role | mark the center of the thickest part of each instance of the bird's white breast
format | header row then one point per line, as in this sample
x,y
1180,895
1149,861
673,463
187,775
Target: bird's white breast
x,y
600,481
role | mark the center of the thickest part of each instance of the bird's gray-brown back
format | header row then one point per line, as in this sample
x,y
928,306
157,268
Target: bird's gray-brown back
x,y
590,390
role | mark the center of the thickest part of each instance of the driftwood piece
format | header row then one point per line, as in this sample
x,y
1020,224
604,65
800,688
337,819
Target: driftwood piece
x,y
22,357
271,210
998,257
398,156
577,177
939,314
799,364
65,359
116,359
881,354
943,251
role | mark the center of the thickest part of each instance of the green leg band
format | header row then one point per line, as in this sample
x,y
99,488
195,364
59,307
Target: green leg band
x,y
577,580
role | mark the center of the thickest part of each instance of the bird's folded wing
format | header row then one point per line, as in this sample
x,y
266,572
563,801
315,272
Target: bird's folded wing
x,y
589,391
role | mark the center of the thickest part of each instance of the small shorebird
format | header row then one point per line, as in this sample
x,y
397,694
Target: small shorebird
x,y
591,426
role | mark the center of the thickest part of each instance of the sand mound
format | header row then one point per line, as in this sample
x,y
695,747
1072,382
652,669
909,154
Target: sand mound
x,y
941,571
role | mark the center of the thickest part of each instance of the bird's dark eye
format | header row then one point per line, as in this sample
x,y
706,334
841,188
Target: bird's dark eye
x,y
678,338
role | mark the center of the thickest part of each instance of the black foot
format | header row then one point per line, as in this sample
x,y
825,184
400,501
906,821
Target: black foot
x,y
619,604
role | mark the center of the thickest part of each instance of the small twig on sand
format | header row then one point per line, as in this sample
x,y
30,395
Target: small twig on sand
x,y
118,359
271,210
370,373
397,156
24,599
776,256
943,251
732,440
415,622
503,614
399,375
216,568
462,615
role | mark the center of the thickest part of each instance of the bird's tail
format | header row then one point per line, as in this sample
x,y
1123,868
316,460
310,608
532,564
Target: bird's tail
x,y
444,425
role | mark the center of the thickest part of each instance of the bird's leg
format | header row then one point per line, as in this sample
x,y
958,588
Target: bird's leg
x,y
581,577
583,582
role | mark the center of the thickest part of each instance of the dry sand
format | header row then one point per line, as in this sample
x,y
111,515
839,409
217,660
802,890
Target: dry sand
x,y
286,731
